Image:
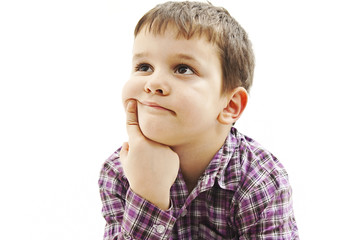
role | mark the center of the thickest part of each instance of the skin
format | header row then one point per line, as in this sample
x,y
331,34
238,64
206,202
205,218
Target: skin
x,y
177,115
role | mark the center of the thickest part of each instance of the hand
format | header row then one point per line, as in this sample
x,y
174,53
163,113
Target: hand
x,y
150,167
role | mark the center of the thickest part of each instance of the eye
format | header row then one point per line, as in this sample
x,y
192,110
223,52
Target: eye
x,y
143,67
184,69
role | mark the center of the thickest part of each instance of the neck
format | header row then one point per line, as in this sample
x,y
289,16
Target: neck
x,y
194,158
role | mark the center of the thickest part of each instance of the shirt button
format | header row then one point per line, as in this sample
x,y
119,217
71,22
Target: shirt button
x,y
183,213
160,228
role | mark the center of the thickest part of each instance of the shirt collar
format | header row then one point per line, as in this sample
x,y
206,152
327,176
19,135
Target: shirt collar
x,y
223,167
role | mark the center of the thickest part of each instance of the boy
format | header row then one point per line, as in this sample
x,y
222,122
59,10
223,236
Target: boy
x,y
186,173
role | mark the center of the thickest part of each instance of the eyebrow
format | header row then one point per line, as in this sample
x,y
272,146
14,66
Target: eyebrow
x,y
178,55
140,55
184,56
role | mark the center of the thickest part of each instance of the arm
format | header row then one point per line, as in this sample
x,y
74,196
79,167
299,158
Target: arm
x,y
128,216
136,195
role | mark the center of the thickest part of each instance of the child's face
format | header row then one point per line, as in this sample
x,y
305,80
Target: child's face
x,y
177,84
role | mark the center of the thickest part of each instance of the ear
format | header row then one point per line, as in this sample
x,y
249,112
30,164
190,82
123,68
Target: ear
x,y
235,105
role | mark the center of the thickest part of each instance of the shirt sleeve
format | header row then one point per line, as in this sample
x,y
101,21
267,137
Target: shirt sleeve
x,y
266,212
127,215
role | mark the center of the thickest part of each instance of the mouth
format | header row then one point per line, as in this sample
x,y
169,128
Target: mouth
x,y
156,106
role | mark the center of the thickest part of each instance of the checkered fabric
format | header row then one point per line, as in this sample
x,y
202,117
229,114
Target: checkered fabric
x,y
243,194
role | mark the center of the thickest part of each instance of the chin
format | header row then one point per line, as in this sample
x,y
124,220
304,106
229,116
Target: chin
x,y
156,133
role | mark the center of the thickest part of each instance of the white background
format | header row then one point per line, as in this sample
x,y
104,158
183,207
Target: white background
x,y
62,67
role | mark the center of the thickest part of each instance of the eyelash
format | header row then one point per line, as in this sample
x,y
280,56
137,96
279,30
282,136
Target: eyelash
x,y
185,66
140,65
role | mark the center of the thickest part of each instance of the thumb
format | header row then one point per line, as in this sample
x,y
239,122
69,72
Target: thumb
x,y
132,125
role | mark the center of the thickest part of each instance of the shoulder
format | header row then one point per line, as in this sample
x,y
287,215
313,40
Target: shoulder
x,y
263,198
256,167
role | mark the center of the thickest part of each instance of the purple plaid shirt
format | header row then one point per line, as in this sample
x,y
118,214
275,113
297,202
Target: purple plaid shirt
x,y
243,194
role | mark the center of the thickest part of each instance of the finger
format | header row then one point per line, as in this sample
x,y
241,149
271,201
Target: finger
x,y
132,125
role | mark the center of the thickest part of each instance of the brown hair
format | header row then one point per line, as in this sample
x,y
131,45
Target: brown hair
x,y
215,23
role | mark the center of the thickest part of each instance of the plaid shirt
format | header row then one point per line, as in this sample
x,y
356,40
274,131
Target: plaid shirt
x,y
243,194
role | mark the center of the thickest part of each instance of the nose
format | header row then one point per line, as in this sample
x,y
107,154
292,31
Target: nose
x,y
157,85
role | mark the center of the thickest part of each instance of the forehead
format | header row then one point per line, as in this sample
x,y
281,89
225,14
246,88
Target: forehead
x,y
180,30
171,35
170,45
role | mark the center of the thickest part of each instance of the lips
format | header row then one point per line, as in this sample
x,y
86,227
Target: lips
x,y
155,105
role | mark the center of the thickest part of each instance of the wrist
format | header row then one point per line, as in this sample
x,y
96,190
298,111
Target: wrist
x,y
159,197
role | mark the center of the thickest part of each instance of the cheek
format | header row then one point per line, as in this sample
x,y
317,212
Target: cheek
x,y
190,108
199,107
131,89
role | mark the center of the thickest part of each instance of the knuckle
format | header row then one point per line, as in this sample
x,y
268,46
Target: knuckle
x,y
131,122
